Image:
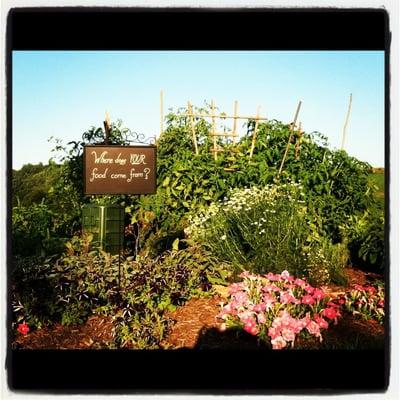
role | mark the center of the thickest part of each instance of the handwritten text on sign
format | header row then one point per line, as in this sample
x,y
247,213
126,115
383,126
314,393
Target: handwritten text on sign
x,y
120,169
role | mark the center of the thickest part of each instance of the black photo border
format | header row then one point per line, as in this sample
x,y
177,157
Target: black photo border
x,y
190,371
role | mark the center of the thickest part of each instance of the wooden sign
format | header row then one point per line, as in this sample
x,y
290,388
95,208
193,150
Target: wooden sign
x,y
119,169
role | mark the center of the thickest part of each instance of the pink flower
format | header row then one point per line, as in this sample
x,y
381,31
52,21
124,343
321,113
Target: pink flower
x,y
313,328
251,327
330,313
270,288
259,307
307,299
358,287
245,316
298,325
23,328
273,332
285,275
235,287
290,286
309,289
304,321
272,277
287,298
245,274
285,322
261,319
288,335
322,323
241,297
278,343
300,282
381,303
371,290
269,300
227,308
318,294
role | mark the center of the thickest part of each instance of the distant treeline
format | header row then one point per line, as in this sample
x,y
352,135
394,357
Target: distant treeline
x,y
33,183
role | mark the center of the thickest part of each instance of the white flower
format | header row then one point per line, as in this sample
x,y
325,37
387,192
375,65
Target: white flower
x,y
223,237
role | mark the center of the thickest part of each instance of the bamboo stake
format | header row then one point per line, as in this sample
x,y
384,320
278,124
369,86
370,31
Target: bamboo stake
x,y
213,130
193,130
347,120
234,121
290,137
107,128
253,142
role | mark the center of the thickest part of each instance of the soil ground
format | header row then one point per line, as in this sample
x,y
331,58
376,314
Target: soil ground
x,y
196,327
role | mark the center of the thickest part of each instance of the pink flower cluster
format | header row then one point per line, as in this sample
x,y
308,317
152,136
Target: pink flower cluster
x,y
365,301
279,306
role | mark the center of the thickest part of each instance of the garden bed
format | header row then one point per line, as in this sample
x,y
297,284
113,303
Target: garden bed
x,y
195,326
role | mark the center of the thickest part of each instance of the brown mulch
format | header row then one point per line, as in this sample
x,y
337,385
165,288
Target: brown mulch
x,y
195,326
195,316
98,332
356,276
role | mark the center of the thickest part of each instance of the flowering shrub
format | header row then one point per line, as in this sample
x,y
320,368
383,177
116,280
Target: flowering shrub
x,y
367,302
278,307
270,229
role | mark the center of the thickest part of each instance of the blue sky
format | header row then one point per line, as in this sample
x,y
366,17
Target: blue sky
x,y
62,94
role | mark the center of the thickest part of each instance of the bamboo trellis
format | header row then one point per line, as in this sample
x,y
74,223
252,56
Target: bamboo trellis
x,y
234,134
215,134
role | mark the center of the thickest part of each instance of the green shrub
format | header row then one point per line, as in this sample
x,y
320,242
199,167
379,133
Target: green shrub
x,y
33,290
366,234
35,230
269,230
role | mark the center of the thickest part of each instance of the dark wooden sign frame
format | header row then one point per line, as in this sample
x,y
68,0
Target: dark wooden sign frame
x,y
137,186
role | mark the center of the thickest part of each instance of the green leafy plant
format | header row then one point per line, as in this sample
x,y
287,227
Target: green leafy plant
x,y
367,239
36,230
84,282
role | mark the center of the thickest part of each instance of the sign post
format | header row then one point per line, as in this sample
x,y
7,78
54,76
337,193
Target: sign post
x,y
115,169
